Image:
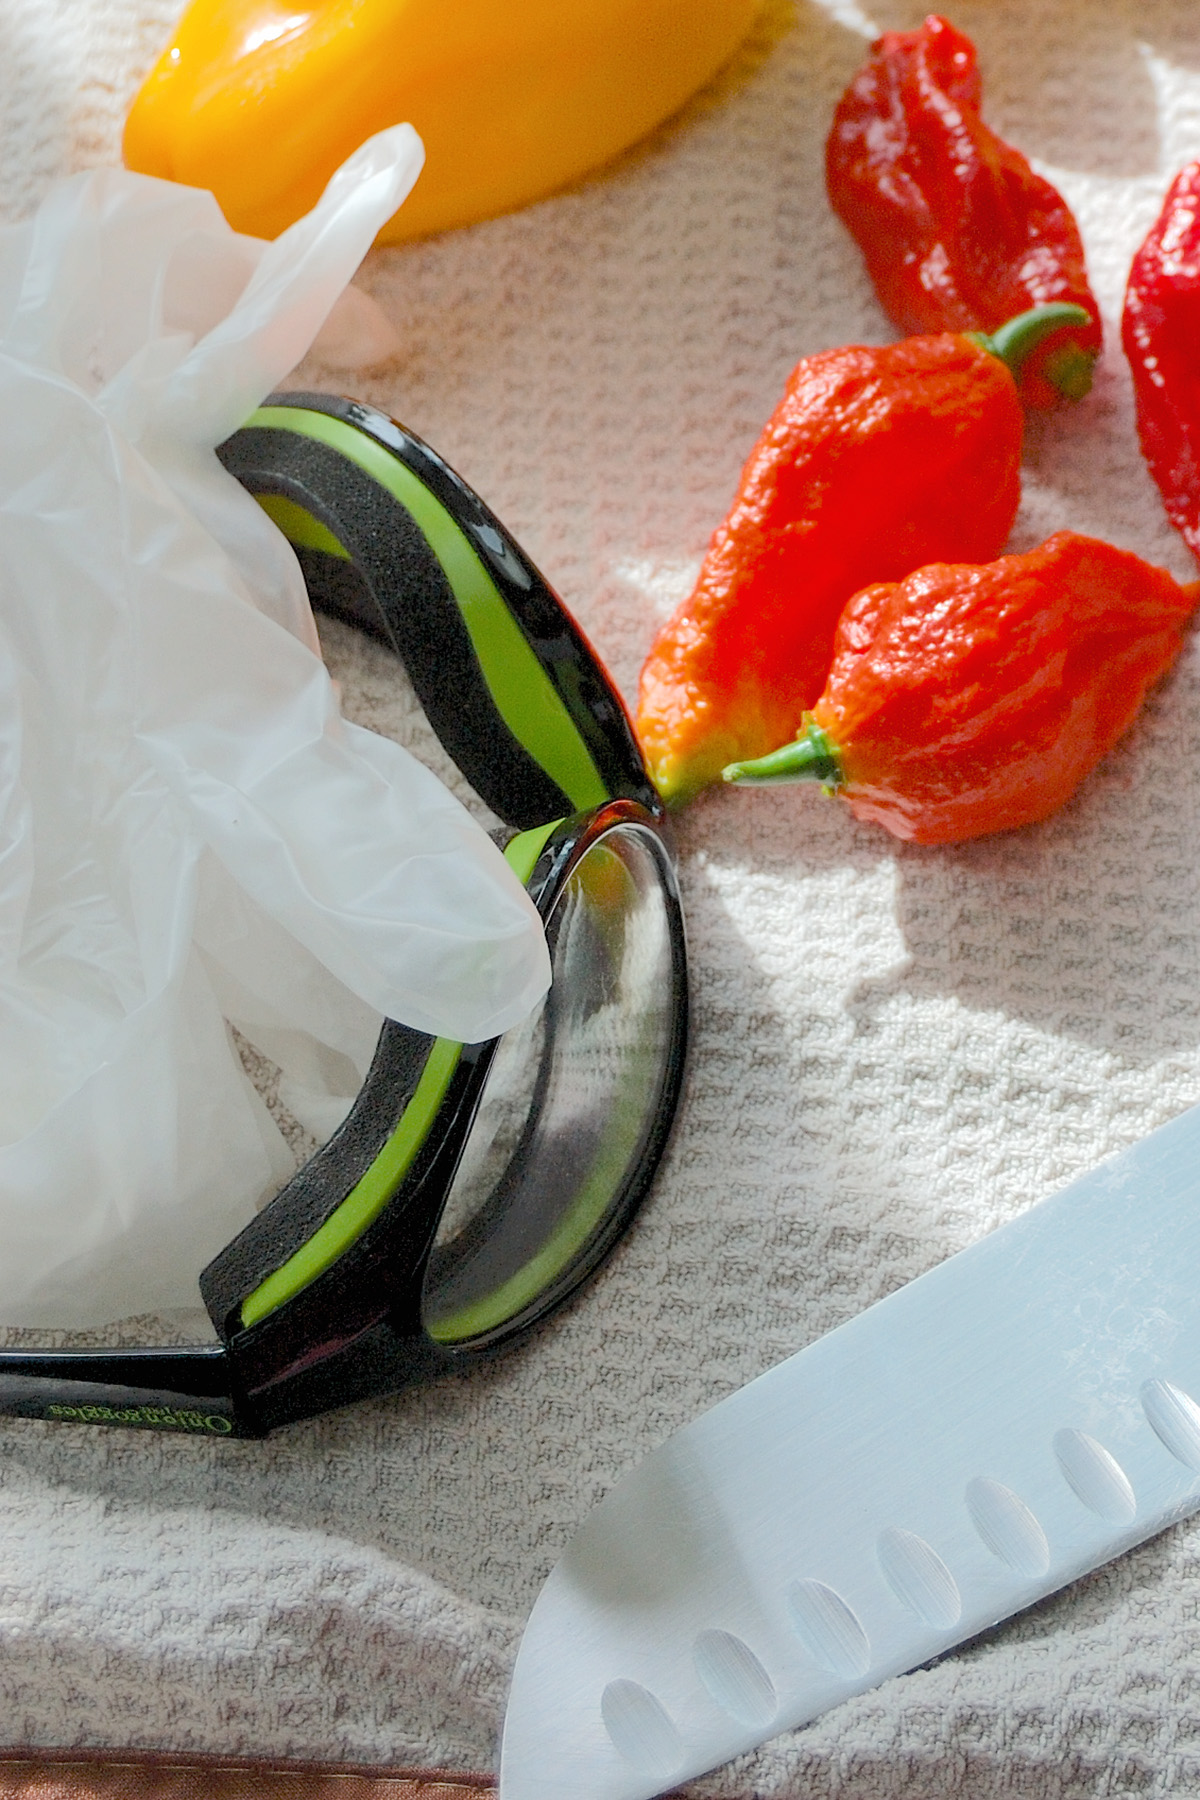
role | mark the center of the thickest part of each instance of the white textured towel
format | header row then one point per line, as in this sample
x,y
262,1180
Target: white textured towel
x,y
895,1049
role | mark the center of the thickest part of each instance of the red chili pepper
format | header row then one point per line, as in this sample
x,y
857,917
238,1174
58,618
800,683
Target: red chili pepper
x,y
874,462
1161,333
957,230
965,700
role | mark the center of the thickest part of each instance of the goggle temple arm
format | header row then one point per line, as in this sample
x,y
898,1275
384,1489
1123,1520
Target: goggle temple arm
x,y
186,1389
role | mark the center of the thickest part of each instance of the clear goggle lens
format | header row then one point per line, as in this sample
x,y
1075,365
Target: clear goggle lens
x,y
571,1099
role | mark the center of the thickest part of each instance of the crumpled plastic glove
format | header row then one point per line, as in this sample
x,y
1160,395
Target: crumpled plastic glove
x,y
189,831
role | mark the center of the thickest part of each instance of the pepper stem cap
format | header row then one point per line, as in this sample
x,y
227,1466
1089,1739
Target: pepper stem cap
x,y
1068,367
813,756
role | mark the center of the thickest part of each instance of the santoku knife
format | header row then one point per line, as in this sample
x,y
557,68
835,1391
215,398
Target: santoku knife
x,y
1017,1416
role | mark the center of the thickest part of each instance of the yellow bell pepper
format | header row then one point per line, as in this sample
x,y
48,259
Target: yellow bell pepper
x,y
261,100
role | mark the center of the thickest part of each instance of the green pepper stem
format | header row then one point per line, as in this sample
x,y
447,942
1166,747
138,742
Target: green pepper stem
x,y
813,756
1068,368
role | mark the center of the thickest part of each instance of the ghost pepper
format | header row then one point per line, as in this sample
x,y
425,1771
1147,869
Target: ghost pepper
x,y
964,700
1160,329
875,462
957,230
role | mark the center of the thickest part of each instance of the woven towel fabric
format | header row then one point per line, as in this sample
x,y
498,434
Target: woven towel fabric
x,y
895,1050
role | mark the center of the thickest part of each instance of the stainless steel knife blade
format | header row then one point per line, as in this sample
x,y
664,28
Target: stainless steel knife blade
x,y
1019,1415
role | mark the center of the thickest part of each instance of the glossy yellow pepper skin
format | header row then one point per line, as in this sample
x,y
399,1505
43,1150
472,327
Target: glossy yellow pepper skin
x,y
261,100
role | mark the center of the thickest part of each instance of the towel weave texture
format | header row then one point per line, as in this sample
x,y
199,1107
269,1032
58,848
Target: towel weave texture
x,y
895,1049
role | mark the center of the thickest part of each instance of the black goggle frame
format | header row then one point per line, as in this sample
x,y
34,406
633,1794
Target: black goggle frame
x,y
314,1309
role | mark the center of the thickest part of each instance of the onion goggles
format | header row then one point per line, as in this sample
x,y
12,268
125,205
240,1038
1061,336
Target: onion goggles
x,y
472,1187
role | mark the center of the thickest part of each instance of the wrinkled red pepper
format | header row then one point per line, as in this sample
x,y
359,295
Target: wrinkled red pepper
x,y
1160,330
957,230
965,700
874,462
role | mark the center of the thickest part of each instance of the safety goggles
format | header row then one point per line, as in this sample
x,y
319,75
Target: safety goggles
x,y
472,1187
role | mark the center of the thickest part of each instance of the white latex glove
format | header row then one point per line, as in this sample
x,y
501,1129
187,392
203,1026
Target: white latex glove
x,y
187,826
